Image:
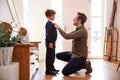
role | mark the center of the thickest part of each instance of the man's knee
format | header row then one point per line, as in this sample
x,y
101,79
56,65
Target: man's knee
x,y
58,56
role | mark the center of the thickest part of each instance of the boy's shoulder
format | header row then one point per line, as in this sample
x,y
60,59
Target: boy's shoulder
x,y
48,22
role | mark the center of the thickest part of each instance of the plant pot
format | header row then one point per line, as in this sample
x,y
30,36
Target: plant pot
x,y
6,55
24,39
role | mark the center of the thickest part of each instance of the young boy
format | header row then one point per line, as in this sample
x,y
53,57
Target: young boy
x,y
51,36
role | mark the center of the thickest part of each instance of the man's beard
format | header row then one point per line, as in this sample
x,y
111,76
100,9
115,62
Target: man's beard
x,y
75,24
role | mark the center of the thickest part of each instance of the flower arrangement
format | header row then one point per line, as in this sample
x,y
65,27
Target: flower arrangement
x,y
24,37
22,31
6,40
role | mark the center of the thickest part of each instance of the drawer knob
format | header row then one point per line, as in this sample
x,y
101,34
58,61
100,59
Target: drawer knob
x,y
32,63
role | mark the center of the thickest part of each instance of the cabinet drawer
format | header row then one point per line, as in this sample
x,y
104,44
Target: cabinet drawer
x,y
32,58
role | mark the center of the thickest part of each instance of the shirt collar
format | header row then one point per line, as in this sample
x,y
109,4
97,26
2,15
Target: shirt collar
x,y
79,27
50,20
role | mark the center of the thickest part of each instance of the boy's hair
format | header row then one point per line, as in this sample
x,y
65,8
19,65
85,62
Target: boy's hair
x,y
82,17
49,12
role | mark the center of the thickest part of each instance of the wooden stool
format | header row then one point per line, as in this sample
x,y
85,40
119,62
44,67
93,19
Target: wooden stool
x,y
118,64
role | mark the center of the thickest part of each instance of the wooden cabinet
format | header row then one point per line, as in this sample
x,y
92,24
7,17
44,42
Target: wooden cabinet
x,y
27,58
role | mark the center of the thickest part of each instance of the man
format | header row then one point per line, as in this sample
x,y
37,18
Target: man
x,y
77,58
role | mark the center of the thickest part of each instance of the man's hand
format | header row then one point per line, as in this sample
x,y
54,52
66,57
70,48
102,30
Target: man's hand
x,y
51,45
56,25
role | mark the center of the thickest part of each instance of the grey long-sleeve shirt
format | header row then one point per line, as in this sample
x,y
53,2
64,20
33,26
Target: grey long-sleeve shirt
x,y
79,43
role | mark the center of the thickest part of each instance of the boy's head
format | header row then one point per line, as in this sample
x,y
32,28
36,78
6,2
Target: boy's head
x,y
50,14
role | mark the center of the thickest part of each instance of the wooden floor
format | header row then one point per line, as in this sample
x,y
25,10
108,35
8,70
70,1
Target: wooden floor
x,y
102,70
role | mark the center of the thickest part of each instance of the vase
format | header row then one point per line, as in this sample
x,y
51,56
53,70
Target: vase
x,y
24,39
6,55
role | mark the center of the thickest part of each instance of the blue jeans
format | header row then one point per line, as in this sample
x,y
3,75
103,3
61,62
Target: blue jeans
x,y
73,65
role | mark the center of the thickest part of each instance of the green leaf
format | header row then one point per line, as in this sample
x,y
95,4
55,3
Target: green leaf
x,y
5,37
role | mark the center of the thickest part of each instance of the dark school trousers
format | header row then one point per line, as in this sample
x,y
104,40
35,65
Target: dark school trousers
x,y
50,58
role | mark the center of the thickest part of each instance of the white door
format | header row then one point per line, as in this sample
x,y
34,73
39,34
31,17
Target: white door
x,y
97,28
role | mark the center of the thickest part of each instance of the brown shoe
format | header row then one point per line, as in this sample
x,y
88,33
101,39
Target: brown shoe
x,y
88,67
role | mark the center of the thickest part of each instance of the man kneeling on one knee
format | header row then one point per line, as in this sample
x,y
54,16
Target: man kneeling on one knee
x,y
77,57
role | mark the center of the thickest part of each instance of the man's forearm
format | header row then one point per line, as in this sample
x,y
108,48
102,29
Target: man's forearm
x,y
63,33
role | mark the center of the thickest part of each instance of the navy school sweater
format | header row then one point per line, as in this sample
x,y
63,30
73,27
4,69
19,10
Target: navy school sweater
x,y
51,32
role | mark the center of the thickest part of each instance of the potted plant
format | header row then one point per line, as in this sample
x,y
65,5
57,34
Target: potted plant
x,y
7,43
23,36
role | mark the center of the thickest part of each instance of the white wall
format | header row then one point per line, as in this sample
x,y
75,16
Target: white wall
x,y
36,21
5,12
19,9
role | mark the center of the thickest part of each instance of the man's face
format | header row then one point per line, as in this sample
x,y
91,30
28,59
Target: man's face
x,y
76,21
